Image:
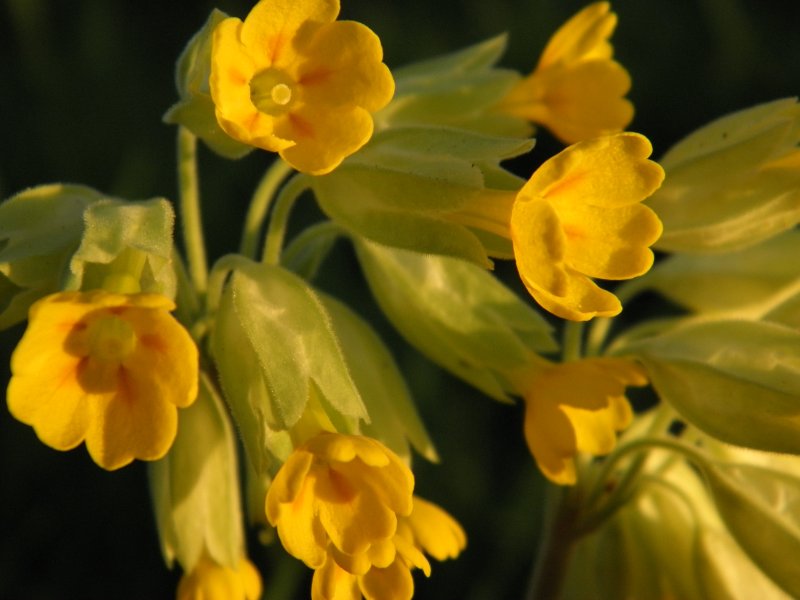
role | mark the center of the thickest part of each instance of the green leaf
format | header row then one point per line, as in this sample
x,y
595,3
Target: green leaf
x,y
739,381
393,417
761,508
732,183
40,228
724,282
477,57
245,389
459,315
291,335
195,487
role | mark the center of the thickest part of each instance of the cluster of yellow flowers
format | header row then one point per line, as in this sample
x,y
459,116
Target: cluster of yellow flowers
x,y
321,409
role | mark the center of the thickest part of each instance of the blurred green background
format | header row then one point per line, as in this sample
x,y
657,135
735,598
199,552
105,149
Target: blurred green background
x,y
83,85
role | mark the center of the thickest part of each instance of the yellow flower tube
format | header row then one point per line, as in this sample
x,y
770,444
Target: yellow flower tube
x,y
577,89
108,369
211,581
577,407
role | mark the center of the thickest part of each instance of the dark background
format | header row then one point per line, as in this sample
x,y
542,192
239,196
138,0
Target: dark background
x,y
83,85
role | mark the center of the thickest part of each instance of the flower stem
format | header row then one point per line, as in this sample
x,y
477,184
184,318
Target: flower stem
x,y
259,206
571,344
555,548
192,225
276,231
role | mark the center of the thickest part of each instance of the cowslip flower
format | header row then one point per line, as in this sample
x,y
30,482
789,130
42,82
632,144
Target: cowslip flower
x,y
580,216
428,529
209,580
577,89
107,369
293,80
340,495
577,407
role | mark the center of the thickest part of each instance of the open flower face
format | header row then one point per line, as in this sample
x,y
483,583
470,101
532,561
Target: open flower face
x,y
577,407
580,216
110,369
291,79
577,90
340,494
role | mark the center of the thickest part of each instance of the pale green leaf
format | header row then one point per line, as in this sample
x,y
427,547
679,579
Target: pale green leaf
x,y
739,381
291,334
456,313
195,487
393,417
761,508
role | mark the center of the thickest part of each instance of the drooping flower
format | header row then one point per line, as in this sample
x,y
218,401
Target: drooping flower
x,y
291,79
428,529
580,216
577,407
577,90
340,495
110,369
212,581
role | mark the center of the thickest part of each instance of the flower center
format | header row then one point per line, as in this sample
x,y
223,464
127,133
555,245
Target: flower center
x,y
111,339
272,91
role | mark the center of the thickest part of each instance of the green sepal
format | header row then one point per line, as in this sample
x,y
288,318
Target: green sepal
x,y
738,381
195,109
407,189
393,417
114,227
308,250
246,391
274,346
40,228
761,508
732,183
195,487
457,314
457,89
739,280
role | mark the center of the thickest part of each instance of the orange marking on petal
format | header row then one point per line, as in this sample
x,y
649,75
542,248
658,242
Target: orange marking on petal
x,y
153,342
275,47
573,232
301,127
315,77
564,184
342,487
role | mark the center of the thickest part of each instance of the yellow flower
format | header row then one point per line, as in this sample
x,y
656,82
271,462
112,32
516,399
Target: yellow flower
x,y
340,495
293,80
577,90
106,368
209,580
428,528
580,216
577,407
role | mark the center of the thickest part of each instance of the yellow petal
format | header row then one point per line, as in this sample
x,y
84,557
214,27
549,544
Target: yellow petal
x,y
610,171
584,36
392,583
344,68
610,243
298,526
353,518
539,244
439,534
581,299
331,582
323,138
272,25
130,424
551,440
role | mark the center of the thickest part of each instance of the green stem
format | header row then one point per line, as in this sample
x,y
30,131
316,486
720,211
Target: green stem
x,y
192,225
259,206
571,343
555,548
276,231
